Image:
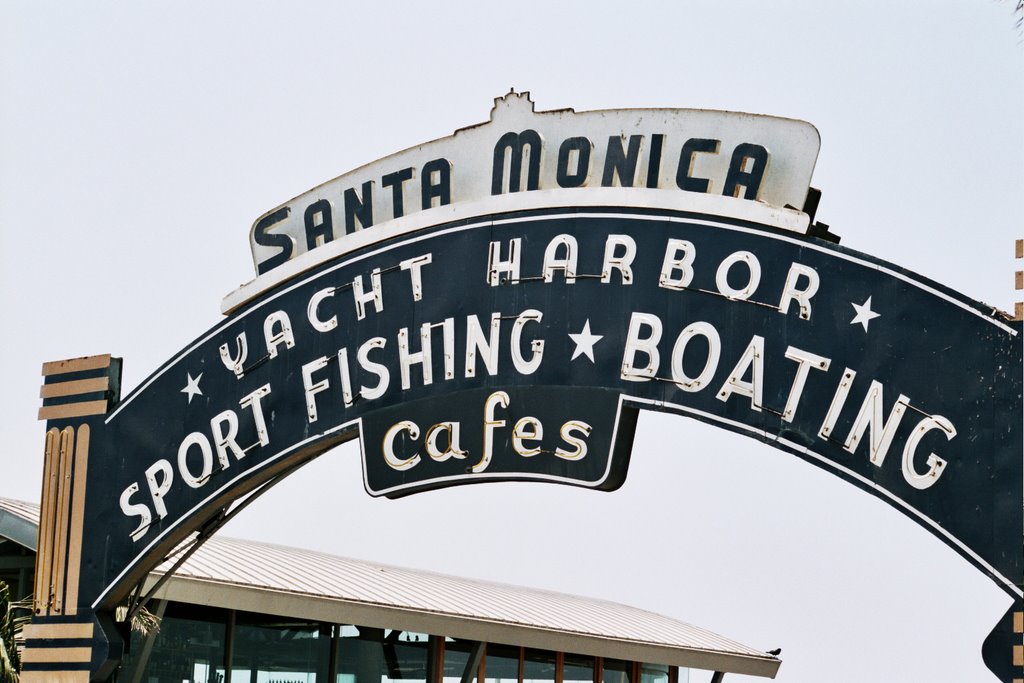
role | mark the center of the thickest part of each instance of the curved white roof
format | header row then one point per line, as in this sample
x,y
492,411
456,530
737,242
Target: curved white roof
x,y
273,579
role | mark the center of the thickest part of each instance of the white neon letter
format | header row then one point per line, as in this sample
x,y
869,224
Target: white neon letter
x,y
415,266
807,362
275,339
936,465
235,363
131,509
708,331
453,450
158,489
375,294
870,417
527,429
314,303
526,367
311,388
254,400
225,441
498,398
422,357
679,255
375,368
578,442
647,345
488,347
621,262
567,264
195,439
802,297
753,358
753,275
393,461
495,266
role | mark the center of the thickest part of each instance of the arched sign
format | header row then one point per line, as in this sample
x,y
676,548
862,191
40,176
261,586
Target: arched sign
x,y
513,333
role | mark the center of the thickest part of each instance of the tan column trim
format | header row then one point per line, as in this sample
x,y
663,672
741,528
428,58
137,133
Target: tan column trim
x,y
81,468
1018,308
58,367
40,597
54,677
44,631
77,386
80,409
60,537
56,655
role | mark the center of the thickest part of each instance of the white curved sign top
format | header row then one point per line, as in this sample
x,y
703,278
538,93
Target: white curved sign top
x,y
762,159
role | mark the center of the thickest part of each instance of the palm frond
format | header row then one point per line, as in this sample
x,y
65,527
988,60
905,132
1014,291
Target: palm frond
x,y
144,622
9,660
8,669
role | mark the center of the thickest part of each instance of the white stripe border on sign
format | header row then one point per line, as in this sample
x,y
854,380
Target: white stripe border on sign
x,y
639,198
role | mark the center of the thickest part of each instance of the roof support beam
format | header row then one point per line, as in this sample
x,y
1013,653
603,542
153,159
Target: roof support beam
x,y
473,663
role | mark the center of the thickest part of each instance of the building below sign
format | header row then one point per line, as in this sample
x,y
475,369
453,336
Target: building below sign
x,y
242,610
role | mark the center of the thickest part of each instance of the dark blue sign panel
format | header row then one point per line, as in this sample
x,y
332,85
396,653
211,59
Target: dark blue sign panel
x,y
520,347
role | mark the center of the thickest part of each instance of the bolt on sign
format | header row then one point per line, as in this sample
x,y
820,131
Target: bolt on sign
x,y
498,305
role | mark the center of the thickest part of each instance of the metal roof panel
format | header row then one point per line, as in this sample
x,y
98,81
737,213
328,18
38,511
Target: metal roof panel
x,y
438,603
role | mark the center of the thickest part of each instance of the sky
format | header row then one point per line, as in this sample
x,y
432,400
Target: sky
x,y
139,141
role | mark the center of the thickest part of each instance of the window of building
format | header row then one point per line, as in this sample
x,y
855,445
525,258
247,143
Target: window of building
x,y
654,673
616,671
193,643
187,649
501,664
578,669
539,666
457,656
375,655
279,651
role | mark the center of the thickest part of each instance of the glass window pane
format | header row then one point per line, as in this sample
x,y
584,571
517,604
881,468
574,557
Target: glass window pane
x,y
406,655
374,655
279,650
184,651
360,655
539,666
457,654
653,673
578,668
501,664
616,671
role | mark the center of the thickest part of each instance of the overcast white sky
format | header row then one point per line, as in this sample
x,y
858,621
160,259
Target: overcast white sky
x,y
139,141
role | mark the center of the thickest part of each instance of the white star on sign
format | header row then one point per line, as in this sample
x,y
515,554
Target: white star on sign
x,y
864,314
192,386
584,341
